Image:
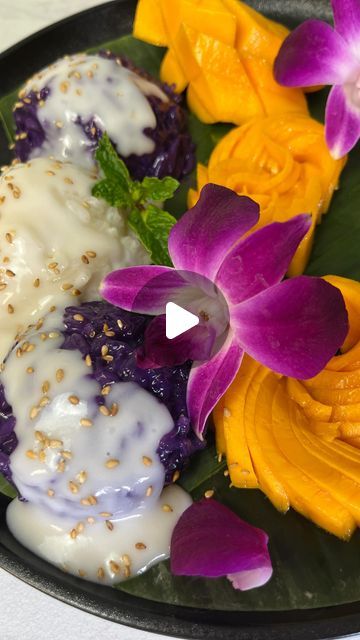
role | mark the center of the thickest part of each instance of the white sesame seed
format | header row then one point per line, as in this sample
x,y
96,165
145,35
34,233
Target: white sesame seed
x,y
112,463
167,508
86,422
114,567
59,375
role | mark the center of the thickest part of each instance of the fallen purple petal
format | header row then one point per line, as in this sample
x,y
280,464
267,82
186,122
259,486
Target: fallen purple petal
x,y
240,552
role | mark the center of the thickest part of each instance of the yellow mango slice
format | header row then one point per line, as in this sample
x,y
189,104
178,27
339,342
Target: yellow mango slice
x,y
207,16
334,380
274,101
327,465
149,24
350,430
232,437
325,430
197,106
351,292
303,437
305,495
260,394
333,397
171,69
225,40
218,415
256,35
311,408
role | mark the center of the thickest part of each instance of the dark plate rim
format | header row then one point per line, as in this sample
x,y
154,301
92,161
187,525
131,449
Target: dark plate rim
x,y
107,603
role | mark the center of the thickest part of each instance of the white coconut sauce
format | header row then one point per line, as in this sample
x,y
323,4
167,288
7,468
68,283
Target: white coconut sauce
x,y
93,480
91,87
56,242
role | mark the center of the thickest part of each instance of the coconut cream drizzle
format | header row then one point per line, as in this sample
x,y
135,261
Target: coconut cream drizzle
x,y
86,88
88,468
56,242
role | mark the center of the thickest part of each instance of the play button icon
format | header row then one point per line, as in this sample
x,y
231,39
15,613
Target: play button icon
x,y
178,320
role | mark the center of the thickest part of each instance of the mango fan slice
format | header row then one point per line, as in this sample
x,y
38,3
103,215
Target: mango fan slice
x,y
299,441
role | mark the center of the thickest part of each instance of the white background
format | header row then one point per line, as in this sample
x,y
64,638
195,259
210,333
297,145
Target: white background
x,y
25,613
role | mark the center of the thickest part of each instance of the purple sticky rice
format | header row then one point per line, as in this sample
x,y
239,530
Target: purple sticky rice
x,y
174,153
168,384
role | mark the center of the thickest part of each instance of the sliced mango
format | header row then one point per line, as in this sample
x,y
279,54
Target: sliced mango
x,y
303,437
171,69
221,43
149,24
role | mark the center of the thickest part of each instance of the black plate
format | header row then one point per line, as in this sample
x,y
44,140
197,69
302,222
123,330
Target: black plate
x,y
77,33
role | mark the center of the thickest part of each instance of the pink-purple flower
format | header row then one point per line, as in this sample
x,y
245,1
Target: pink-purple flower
x,y
315,54
234,284
240,553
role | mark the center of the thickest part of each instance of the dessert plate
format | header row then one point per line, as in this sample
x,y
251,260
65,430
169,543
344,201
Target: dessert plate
x,y
247,617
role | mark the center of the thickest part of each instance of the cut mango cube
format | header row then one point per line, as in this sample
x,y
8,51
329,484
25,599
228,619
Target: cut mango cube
x,y
216,44
149,24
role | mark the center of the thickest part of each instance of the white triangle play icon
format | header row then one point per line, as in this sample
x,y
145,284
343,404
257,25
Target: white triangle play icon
x,y
178,320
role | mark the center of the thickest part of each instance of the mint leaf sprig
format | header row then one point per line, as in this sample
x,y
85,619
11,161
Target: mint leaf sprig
x,y
149,222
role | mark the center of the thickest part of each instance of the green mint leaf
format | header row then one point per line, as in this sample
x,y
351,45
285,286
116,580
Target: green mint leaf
x,y
152,226
115,187
6,488
113,167
113,193
156,189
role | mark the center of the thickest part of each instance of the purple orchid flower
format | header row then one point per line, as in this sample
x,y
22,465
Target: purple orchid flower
x,y
314,54
240,553
234,285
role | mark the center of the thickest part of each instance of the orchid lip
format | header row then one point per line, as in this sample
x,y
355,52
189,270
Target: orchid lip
x,y
199,296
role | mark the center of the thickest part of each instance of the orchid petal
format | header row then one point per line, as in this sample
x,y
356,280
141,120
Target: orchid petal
x,y
159,351
342,122
142,289
240,551
245,580
209,381
262,259
294,327
203,236
314,54
347,22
